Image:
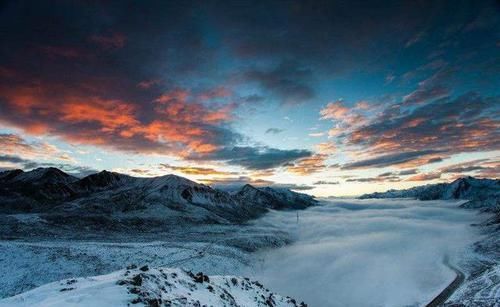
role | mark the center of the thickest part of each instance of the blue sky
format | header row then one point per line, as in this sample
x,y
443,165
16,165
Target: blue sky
x,y
330,98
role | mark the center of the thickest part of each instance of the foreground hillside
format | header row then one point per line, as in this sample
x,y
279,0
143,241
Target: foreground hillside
x,y
116,202
152,287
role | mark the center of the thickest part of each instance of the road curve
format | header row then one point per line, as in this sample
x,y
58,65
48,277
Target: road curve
x,y
442,297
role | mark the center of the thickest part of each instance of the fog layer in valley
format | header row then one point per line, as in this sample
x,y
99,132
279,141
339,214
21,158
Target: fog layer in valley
x,y
367,253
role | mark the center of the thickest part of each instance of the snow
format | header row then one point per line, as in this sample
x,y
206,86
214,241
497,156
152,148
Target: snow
x,y
50,174
148,285
339,253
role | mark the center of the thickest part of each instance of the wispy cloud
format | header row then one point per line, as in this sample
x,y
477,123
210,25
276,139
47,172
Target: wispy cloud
x,y
274,130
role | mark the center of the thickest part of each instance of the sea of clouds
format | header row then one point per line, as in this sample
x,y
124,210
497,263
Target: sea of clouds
x,y
367,252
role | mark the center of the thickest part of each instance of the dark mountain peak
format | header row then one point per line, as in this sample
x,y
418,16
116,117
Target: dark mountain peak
x,y
174,181
44,175
280,198
101,180
248,187
466,178
10,174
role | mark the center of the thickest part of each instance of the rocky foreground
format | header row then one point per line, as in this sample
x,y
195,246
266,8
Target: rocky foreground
x,y
152,287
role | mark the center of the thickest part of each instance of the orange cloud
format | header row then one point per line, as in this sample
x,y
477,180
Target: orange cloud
x,y
451,126
309,165
425,177
148,83
176,122
110,114
334,110
326,148
189,170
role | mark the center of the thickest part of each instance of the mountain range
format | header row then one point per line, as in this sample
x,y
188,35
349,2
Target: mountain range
x,y
168,199
479,193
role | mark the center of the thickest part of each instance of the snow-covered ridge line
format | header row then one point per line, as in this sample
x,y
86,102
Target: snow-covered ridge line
x,y
480,193
50,190
152,287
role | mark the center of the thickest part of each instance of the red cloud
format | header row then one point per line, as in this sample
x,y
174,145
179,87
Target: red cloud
x,y
424,177
174,123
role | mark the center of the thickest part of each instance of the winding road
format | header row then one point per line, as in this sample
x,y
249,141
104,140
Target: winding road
x,y
452,287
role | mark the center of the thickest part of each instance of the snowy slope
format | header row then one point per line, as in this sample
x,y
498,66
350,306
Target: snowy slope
x,y
151,287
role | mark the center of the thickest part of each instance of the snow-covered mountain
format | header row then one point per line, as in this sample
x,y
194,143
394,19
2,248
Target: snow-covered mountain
x,y
152,287
274,198
35,190
110,195
480,193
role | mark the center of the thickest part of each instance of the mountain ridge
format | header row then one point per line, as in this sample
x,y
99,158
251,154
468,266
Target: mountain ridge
x,y
114,195
479,192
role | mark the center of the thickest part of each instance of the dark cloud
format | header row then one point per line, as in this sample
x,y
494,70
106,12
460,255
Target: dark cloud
x,y
76,170
466,167
388,160
288,82
435,160
255,158
462,169
430,89
400,173
375,179
408,172
274,130
253,98
385,177
292,186
13,159
117,91
323,182
235,183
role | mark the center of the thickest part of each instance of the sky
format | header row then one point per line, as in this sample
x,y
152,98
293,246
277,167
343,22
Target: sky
x,y
331,98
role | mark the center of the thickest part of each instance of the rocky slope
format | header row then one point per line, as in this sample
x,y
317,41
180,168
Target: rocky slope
x,y
152,287
105,196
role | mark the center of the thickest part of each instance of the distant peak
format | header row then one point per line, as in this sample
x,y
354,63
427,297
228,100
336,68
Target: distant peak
x,y
248,187
45,174
10,174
